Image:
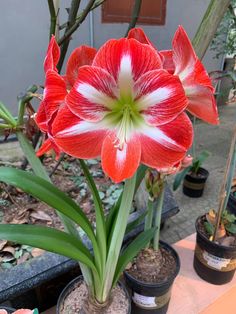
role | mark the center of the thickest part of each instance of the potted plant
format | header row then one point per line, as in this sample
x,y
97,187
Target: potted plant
x,y
194,177
215,251
153,271
111,110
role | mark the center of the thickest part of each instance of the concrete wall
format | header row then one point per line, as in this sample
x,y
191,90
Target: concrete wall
x,y
24,27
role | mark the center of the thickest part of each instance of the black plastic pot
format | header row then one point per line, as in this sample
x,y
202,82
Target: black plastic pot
x,y
152,298
74,283
193,185
213,262
9,310
231,206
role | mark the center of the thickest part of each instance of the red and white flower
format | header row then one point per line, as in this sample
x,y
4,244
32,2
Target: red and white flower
x,y
182,61
56,88
127,109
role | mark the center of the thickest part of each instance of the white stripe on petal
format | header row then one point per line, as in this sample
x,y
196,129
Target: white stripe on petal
x,y
93,95
125,76
153,98
79,128
160,137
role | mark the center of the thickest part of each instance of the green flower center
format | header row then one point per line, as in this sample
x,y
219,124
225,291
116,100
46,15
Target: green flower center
x,y
125,118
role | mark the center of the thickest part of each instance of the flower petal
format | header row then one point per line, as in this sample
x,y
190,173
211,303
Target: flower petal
x,y
83,55
184,56
54,93
47,146
41,117
187,65
160,97
165,145
143,58
52,55
120,164
76,137
168,63
92,94
202,103
139,35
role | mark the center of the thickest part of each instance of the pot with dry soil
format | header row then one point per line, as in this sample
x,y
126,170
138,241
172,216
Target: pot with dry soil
x,y
214,262
150,279
194,183
75,299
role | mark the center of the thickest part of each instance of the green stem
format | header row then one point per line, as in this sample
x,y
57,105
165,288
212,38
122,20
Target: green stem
x,y
53,18
135,15
5,126
117,239
22,101
149,217
71,20
157,221
194,140
74,27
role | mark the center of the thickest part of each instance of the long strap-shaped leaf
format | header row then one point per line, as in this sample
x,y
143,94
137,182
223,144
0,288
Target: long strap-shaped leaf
x,y
52,196
131,251
48,239
100,219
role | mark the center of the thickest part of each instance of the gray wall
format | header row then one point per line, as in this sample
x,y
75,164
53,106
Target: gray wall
x,y
24,27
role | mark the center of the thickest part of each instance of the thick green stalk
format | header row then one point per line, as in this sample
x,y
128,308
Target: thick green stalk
x,y
157,221
208,26
117,238
149,217
53,18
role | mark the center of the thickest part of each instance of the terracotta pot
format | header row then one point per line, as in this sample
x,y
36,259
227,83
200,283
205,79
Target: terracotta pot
x,y
193,186
75,283
213,262
152,298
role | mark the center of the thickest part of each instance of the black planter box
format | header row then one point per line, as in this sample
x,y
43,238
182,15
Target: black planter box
x,y
39,281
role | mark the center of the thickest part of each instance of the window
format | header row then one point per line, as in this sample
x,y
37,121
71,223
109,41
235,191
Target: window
x,y
153,12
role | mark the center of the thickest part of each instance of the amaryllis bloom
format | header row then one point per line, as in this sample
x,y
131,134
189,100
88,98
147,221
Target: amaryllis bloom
x,y
56,87
182,61
126,109
179,166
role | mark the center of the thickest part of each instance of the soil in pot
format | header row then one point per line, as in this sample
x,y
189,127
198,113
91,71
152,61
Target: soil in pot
x,y
151,277
194,183
75,299
214,262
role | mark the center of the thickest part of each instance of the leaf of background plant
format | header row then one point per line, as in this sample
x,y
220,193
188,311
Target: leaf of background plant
x,y
231,228
131,251
209,228
179,178
48,239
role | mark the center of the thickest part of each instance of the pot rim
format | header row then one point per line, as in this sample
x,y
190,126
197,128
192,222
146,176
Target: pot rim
x,y
213,244
159,284
202,171
79,278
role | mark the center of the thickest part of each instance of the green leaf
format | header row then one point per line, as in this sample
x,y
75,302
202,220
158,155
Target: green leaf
x,y
231,228
131,251
34,161
136,222
202,157
48,239
209,228
180,177
100,219
6,115
115,208
48,193
35,311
